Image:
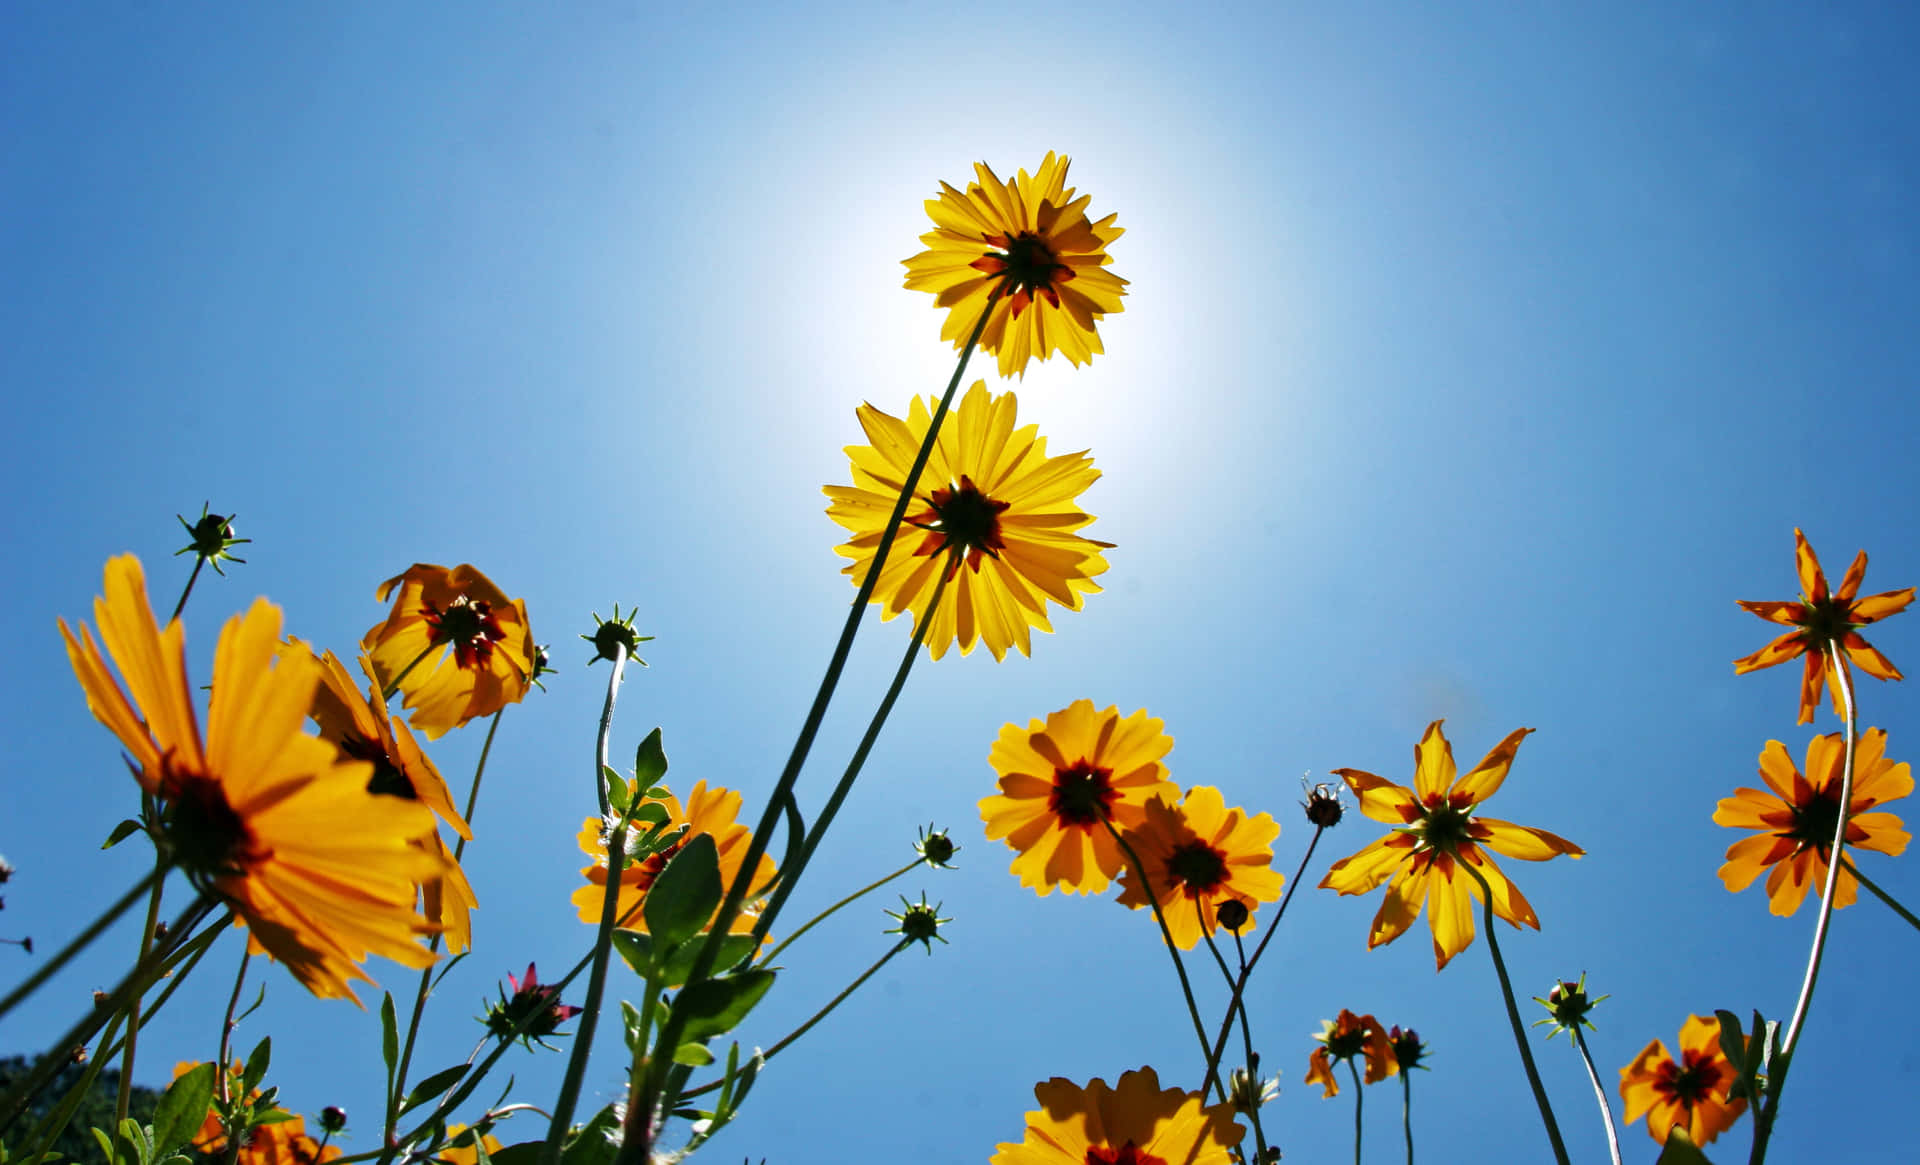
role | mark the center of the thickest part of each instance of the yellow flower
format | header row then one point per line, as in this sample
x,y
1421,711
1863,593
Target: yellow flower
x,y
1692,1094
1132,1123
464,1153
996,514
1061,780
1436,832
1197,855
490,665
710,811
1341,1040
261,814
1798,819
1822,620
283,1143
363,730
1027,242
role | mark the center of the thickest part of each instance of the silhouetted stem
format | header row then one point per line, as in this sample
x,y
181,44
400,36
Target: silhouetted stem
x,y
1600,1094
1883,896
1179,967
1513,1018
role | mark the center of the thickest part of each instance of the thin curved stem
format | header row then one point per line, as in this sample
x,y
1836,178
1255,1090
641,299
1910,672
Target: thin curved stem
x,y
199,561
829,911
1253,1065
1359,1107
227,1026
1599,1093
1219,960
1219,1046
123,1100
1882,895
1406,1112
393,685
1179,966
1513,1018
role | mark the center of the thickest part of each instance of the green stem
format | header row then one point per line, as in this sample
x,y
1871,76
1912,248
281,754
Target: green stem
x,y
1219,960
386,693
199,561
1513,1018
1600,1094
107,918
1359,1107
1406,1112
1253,1064
829,911
1882,895
226,1033
1219,1047
790,878
124,1099
1179,966
1835,854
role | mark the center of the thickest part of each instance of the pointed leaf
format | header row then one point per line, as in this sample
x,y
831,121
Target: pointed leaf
x,y
524,1153
619,793
635,949
432,1086
714,1006
678,964
121,832
1681,1150
257,1062
630,1020
595,1144
685,894
389,1035
650,762
695,1054
183,1108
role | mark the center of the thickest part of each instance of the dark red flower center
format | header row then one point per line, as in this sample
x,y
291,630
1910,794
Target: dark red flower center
x,y
1027,266
469,624
1196,867
1127,1154
1815,820
388,778
1082,794
1827,620
961,522
1689,1085
208,838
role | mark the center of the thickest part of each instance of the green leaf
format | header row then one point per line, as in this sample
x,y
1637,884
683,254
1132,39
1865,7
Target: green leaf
x,y
106,1146
635,949
389,1036
659,793
1733,1042
651,812
630,1020
619,793
121,832
685,894
432,1086
695,1054
714,1006
1681,1150
133,1134
678,963
182,1109
650,761
524,1153
257,1061
596,1143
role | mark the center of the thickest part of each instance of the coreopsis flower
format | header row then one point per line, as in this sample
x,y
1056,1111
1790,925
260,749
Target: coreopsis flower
x,y
710,811
283,1143
266,817
529,997
1027,248
1821,620
1435,832
1692,1093
1343,1039
455,644
362,729
1132,1123
459,1148
994,514
1408,1048
1062,780
1799,817
1196,856
1568,1005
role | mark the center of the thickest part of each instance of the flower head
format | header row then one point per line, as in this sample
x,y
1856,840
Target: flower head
x,y
1437,833
1344,1039
919,922
490,661
1197,856
1822,621
241,805
531,1011
995,515
935,847
1567,1006
1062,780
1132,1123
1408,1049
213,539
1691,1093
711,811
615,635
1799,817
1026,249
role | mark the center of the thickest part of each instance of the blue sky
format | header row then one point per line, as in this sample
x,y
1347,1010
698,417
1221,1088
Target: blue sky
x,y
1474,363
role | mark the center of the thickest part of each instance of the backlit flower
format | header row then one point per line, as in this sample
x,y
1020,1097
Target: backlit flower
x,y
1344,1039
531,1012
1799,817
1029,243
460,1150
710,811
1197,855
1822,620
1437,830
456,645
1061,780
362,729
1132,1123
272,820
993,512
1691,1094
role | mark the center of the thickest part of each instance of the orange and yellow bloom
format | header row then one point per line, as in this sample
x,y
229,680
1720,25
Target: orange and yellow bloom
x,y
710,811
1026,248
243,807
1132,1123
1197,855
1436,833
1823,621
994,515
1691,1094
455,644
1062,781
1799,817
460,1149
1344,1039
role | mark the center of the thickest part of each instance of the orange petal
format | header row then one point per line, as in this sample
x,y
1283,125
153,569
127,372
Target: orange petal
x,y
1433,769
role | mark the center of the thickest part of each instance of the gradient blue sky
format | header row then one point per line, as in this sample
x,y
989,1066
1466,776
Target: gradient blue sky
x,y
1475,362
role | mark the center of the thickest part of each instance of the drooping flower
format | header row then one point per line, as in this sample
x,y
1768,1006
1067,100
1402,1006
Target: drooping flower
x,y
1061,780
362,729
456,645
993,512
529,998
272,820
711,811
1822,620
1344,1039
1132,1123
1197,855
1029,243
1692,1094
1436,831
1799,816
